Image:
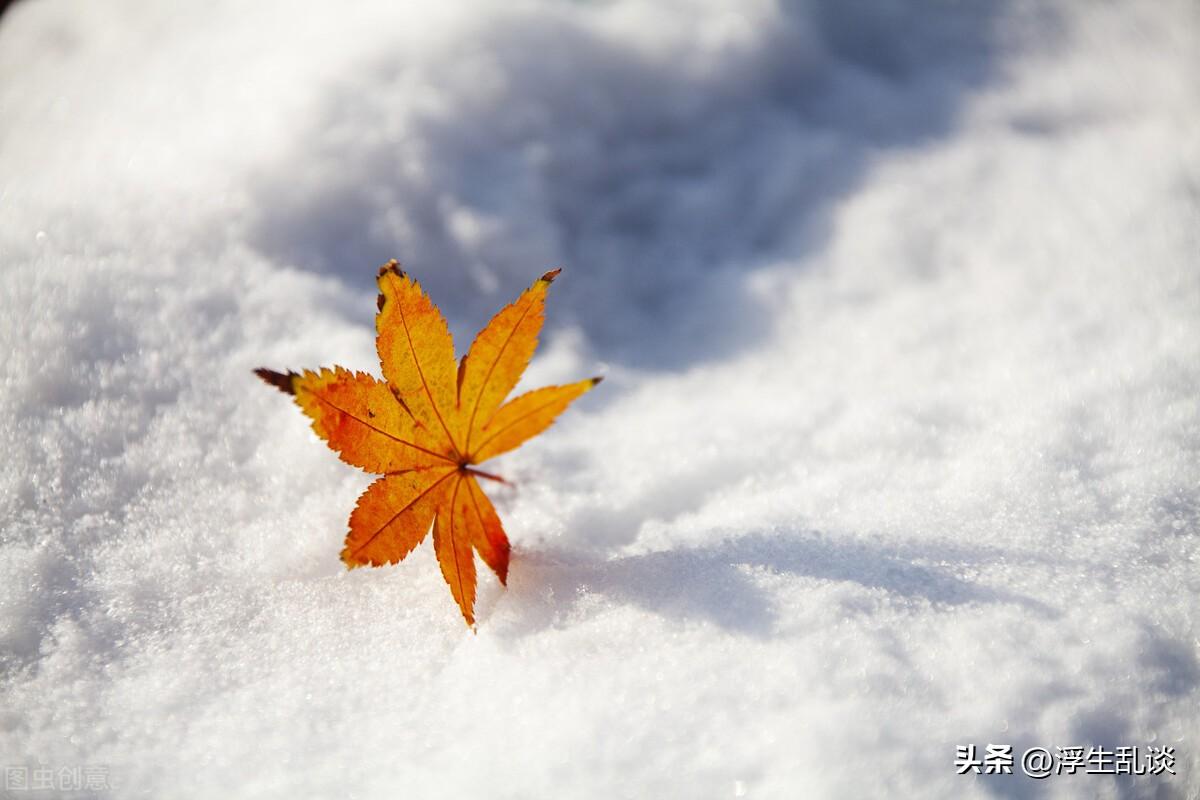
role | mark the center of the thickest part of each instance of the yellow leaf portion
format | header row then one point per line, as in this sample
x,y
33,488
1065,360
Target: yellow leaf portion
x,y
393,516
416,354
487,534
426,423
527,416
497,358
361,419
452,544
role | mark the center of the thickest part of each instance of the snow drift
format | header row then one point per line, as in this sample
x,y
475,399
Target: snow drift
x,y
900,310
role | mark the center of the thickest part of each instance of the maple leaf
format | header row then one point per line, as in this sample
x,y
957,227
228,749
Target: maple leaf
x,y
427,425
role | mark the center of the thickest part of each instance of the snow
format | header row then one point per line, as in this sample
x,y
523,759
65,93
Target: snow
x,y
900,311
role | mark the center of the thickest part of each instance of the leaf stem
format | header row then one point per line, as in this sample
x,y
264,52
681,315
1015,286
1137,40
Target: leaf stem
x,y
480,473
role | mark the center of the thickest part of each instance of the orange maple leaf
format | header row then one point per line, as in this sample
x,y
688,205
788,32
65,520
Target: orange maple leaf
x,y
426,426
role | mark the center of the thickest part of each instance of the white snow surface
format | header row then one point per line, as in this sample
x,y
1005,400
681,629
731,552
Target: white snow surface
x,y
899,306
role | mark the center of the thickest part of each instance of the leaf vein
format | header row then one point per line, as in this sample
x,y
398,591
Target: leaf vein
x,y
509,425
424,383
453,547
395,516
491,369
377,429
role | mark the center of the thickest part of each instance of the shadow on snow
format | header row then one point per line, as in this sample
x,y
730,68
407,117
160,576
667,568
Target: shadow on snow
x,y
660,177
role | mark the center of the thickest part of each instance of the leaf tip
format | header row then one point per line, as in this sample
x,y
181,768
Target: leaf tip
x,y
283,381
596,380
392,266
551,275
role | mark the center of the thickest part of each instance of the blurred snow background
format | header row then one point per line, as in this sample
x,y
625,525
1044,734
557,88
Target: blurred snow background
x,y
900,307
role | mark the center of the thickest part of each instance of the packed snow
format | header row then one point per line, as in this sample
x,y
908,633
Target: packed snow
x,y
899,450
